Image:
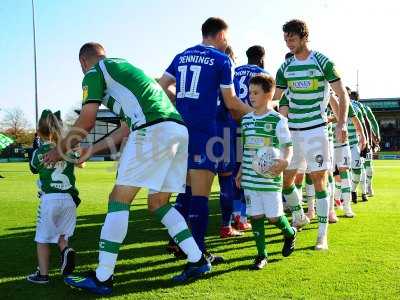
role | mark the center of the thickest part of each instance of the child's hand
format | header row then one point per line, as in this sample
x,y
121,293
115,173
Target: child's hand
x,y
85,154
278,167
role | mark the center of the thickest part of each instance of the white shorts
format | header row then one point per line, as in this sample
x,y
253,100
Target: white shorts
x,y
369,156
155,157
311,150
356,159
56,216
263,203
342,157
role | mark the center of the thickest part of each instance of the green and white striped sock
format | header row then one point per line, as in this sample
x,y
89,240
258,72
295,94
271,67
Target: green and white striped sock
x,y
179,231
112,235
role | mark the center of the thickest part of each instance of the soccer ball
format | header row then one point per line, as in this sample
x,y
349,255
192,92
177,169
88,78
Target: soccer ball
x,y
264,159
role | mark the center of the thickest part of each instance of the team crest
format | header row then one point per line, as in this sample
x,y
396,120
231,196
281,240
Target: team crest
x,y
85,91
268,127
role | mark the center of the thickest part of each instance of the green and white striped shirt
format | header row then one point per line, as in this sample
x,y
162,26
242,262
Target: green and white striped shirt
x,y
351,130
307,83
270,129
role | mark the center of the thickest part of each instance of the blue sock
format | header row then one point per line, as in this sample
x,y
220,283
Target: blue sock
x,y
226,198
183,201
243,206
198,219
237,200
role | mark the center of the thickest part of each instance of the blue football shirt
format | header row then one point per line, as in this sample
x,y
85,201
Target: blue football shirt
x,y
241,80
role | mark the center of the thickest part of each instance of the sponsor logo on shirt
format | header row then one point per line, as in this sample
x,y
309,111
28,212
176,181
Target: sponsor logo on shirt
x,y
304,85
85,93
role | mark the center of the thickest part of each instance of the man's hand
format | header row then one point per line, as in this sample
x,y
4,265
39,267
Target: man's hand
x,y
341,132
362,142
278,167
238,179
51,157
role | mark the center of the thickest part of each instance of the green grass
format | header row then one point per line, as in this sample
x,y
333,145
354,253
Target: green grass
x,y
363,260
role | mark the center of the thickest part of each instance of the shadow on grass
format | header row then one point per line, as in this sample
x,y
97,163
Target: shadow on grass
x,y
145,241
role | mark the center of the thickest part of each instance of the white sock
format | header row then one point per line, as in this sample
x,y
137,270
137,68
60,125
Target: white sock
x,y
179,231
112,235
338,191
355,179
322,212
345,187
363,181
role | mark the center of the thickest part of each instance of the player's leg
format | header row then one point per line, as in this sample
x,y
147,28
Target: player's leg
x,y
226,196
310,194
289,190
363,183
356,165
331,189
273,209
256,213
369,172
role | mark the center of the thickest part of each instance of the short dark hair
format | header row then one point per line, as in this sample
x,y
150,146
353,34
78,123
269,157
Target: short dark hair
x,y
354,95
255,52
91,49
212,26
266,82
296,27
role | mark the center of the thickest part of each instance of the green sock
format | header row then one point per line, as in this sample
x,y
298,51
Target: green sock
x,y
283,224
259,235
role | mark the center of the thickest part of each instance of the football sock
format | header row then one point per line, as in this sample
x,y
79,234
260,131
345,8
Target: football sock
x,y
345,187
355,179
226,198
338,190
283,224
293,200
112,235
178,230
183,201
259,235
198,219
310,192
322,212
369,172
363,181
331,190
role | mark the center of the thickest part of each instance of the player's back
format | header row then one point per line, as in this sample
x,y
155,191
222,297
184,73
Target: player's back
x,y
241,80
200,72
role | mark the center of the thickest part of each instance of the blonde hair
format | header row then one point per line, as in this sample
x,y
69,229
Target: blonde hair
x,y
50,127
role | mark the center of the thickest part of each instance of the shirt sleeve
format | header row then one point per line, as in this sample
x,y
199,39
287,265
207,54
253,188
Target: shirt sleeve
x,y
34,163
93,87
226,74
330,71
283,133
171,70
281,81
351,111
284,100
372,121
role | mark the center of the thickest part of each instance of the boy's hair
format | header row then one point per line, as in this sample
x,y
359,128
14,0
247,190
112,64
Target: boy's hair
x,y
50,125
296,27
212,26
354,95
266,82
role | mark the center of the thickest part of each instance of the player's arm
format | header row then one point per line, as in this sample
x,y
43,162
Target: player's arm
x,y
342,111
360,132
34,162
167,82
110,142
280,97
286,147
374,124
237,108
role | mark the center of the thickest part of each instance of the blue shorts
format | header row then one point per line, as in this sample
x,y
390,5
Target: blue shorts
x,y
226,151
203,149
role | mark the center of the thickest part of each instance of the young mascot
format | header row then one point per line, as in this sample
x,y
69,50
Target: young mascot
x,y
265,127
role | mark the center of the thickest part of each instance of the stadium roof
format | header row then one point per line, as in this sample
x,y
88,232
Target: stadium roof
x,y
383,104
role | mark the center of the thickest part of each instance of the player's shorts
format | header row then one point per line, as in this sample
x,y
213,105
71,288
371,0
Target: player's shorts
x,y
356,159
342,156
311,150
56,217
155,157
263,203
226,153
204,147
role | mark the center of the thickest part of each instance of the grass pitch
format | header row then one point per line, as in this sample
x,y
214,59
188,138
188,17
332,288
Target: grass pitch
x,y
363,260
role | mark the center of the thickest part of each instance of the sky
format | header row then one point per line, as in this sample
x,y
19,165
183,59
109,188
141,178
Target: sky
x,y
356,35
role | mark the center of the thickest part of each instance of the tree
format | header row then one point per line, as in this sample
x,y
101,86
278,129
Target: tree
x,y
15,124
